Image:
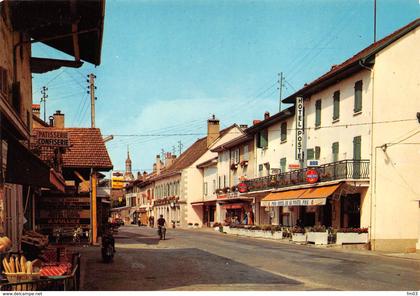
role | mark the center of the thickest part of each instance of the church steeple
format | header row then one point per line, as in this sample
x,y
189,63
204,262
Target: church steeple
x,y
128,173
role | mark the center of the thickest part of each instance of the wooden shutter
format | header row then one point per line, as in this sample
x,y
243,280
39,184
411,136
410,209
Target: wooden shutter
x,y
358,96
283,164
283,135
317,152
335,149
264,138
318,113
336,112
357,148
310,154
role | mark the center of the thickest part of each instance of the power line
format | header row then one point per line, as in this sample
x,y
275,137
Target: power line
x,y
291,129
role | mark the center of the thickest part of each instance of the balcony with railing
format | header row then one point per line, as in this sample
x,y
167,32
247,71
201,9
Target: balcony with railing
x,y
340,170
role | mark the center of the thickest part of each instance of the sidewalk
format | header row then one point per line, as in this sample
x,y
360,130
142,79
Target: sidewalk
x,y
347,248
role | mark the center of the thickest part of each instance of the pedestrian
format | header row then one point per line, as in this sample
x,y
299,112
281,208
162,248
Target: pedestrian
x,y
251,217
245,221
151,221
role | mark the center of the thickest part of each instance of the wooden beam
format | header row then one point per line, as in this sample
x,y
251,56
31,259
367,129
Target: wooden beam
x,y
74,30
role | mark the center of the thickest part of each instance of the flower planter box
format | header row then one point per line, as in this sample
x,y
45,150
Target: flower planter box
x,y
318,238
233,231
351,238
277,235
299,237
258,233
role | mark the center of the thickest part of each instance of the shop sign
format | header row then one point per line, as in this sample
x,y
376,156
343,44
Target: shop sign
x,y
242,188
312,176
294,166
52,138
64,211
117,181
299,128
312,163
295,202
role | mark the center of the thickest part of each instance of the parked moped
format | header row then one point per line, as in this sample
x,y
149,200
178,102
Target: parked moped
x,y
108,247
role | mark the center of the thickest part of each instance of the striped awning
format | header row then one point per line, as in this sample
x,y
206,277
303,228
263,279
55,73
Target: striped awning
x,y
299,197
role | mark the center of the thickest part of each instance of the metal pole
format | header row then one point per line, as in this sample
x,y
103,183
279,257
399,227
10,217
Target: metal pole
x,y
374,20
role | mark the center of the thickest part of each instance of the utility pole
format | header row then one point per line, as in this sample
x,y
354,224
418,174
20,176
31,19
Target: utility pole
x,y
173,150
91,91
374,20
44,100
280,88
180,145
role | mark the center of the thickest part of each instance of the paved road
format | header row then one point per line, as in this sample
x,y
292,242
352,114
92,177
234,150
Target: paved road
x,y
203,260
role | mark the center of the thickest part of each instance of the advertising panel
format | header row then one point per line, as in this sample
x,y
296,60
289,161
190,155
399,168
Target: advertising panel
x,y
299,128
63,211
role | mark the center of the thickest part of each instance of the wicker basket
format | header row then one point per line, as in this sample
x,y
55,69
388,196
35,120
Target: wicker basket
x,y
21,277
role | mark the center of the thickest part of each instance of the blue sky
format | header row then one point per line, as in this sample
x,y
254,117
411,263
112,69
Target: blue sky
x,y
167,66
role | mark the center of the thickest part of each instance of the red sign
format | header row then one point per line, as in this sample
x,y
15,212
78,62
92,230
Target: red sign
x,y
312,176
242,188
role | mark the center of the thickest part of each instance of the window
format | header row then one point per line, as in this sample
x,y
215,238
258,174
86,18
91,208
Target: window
x,y
214,186
220,182
205,189
235,156
310,154
224,181
262,139
336,102
283,135
267,168
335,150
318,113
283,165
317,152
246,153
358,96
260,170
357,148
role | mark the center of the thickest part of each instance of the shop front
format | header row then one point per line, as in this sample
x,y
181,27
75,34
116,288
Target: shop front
x,y
336,206
206,210
143,216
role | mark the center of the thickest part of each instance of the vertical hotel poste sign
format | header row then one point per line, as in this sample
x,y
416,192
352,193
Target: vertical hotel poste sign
x,y
299,128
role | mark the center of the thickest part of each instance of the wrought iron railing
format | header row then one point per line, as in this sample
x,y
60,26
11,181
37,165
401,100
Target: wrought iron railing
x,y
340,170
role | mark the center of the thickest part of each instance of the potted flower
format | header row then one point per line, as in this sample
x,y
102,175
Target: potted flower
x,y
318,235
244,163
352,236
277,232
298,234
233,166
217,227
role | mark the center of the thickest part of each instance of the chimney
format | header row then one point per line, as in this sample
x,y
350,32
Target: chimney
x,y
144,175
158,164
36,110
169,159
243,126
58,119
213,129
139,176
266,115
256,121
